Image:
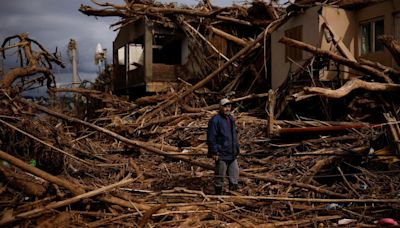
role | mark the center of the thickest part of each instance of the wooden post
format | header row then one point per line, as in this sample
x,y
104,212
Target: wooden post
x,y
271,113
148,52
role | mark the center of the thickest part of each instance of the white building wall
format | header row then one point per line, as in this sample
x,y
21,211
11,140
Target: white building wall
x,y
343,24
279,66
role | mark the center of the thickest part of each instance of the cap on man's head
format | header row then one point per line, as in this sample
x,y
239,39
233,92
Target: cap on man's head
x,y
224,102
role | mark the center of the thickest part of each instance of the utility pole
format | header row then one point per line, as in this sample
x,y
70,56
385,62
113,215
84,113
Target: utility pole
x,y
72,46
72,50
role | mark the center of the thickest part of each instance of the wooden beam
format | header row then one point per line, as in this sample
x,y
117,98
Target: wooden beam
x,y
228,36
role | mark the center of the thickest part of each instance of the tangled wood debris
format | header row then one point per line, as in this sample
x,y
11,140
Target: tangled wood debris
x,y
313,154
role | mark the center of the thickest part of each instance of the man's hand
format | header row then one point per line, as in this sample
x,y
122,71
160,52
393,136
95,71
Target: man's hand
x,y
216,157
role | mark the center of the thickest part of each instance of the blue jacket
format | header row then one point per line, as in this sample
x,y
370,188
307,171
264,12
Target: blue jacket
x,y
222,137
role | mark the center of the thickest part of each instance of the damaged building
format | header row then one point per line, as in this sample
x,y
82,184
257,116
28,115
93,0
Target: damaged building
x,y
148,57
352,30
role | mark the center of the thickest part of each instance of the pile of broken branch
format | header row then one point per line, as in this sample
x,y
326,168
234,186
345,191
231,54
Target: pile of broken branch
x,y
115,162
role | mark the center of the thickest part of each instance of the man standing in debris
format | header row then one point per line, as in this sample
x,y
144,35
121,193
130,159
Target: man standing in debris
x,y
223,147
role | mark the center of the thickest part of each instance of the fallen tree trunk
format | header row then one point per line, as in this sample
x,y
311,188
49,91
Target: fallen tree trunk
x,y
35,62
377,65
350,86
317,167
48,208
37,172
16,73
72,187
22,183
335,57
393,46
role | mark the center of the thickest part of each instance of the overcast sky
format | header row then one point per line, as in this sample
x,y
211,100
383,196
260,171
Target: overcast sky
x,y
54,22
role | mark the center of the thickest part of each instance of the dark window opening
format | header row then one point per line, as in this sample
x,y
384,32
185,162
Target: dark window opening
x,y
167,49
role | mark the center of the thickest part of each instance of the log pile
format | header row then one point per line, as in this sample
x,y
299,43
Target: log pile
x,y
142,163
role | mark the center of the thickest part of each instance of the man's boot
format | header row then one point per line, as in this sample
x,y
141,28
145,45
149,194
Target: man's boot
x,y
233,187
218,190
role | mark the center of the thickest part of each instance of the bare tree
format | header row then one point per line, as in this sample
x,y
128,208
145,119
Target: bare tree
x,y
32,63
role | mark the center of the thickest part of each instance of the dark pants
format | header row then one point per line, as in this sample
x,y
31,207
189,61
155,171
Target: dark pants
x,y
231,168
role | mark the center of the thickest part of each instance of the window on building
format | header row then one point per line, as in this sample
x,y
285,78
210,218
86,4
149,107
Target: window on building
x,y
135,56
167,49
293,53
370,31
121,56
